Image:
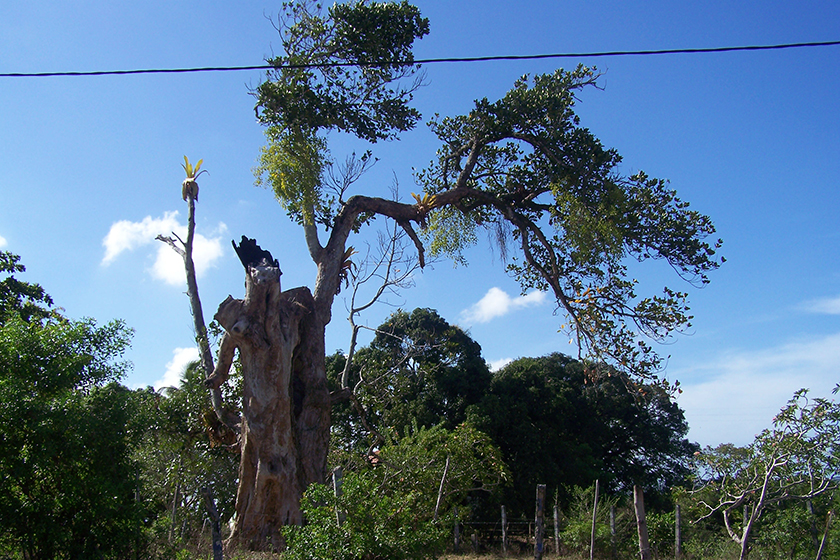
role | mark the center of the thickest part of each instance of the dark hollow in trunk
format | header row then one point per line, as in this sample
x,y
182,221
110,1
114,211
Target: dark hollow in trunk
x,y
285,403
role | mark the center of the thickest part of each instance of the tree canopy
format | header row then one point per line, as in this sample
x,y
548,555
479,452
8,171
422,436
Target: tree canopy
x,y
557,423
418,371
523,168
66,431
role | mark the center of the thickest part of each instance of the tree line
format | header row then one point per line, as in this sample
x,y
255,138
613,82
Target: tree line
x,y
95,470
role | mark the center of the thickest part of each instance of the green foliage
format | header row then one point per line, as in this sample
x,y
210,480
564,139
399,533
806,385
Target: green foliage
x,y
450,231
416,464
525,164
28,301
562,424
184,449
66,433
389,509
576,522
292,163
380,523
192,172
362,50
418,371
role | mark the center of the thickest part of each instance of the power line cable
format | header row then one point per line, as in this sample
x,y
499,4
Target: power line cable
x,y
422,61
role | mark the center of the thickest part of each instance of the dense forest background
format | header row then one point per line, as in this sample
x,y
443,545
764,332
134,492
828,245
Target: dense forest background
x,y
93,469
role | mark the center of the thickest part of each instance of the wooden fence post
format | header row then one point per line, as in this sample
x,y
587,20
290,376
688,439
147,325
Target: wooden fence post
x,y
215,523
612,532
457,532
504,531
539,523
556,530
337,476
677,533
641,523
594,519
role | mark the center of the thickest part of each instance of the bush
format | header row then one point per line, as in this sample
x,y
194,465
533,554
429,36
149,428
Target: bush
x,y
377,524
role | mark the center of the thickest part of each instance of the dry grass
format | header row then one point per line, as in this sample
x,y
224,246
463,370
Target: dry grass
x,y
499,556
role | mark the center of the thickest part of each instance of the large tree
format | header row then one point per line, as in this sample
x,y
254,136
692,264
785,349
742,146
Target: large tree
x,y
66,431
521,167
418,371
561,423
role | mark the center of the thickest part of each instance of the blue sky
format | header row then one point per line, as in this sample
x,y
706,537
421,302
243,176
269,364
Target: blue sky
x,y
90,173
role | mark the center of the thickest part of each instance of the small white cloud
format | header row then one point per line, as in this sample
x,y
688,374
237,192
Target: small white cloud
x,y
127,236
496,303
175,368
3,241
496,365
825,306
168,266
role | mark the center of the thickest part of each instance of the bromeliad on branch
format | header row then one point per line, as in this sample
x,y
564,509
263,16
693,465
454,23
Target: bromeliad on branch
x,y
189,187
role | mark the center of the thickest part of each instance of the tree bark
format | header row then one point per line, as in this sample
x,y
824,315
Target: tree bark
x,y
285,403
825,535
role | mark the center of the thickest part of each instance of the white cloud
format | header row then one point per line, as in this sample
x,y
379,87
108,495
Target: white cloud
x,y
496,365
127,236
827,306
3,241
168,266
743,391
496,303
175,368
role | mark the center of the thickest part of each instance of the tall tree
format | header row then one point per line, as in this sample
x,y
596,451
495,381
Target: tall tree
x,y
66,431
557,422
419,371
522,167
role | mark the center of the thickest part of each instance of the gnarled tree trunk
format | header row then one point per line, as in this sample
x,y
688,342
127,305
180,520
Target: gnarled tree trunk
x,y
285,403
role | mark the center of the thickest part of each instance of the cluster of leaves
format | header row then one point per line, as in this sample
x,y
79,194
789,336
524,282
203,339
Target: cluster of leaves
x,y
66,431
19,298
524,165
292,163
378,524
342,70
400,506
429,372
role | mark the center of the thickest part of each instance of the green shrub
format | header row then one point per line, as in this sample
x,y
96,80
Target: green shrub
x,y
377,524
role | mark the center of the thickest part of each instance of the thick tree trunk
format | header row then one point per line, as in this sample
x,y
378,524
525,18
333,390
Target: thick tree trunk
x,y
285,403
